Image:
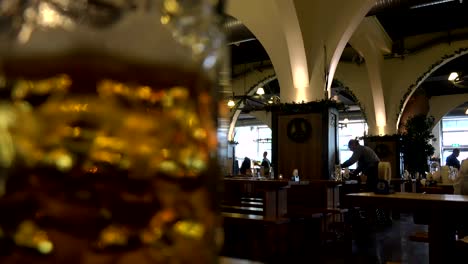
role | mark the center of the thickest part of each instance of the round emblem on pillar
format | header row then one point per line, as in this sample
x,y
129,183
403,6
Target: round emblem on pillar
x,y
299,130
382,150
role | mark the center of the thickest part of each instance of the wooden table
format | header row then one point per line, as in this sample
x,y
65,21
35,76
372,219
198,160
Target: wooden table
x,y
443,209
438,189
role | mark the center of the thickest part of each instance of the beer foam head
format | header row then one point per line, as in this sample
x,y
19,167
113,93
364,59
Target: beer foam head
x,y
138,36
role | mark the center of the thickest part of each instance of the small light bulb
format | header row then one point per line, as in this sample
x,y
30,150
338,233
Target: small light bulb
x,y
260,91
453,76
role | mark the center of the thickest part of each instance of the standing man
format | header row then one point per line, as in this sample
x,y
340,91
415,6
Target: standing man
x,y
265,164
452,159
368,163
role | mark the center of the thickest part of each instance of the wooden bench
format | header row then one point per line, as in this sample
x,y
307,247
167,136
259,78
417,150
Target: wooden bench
x,y
244,205
253,218
255,237
254,223
244,195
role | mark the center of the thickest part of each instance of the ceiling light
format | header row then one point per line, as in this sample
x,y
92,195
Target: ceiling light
x,y
346,121
260,91
231,103
453,76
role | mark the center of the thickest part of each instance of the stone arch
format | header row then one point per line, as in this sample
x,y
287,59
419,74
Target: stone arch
x,y
268,30
356,78
413,87
418,104
351,26
441,105
237,111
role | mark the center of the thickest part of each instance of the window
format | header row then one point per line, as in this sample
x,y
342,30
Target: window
x,y
253,141
351,131
454,135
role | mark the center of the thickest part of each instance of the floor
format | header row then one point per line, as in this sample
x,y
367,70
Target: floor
x,y
377,244
374,244
390,243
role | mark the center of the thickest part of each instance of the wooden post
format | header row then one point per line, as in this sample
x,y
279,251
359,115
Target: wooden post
x,y
305,139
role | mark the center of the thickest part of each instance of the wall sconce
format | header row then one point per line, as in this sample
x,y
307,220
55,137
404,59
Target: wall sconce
x,y
260,91
458,79
453,76
231,103
343,123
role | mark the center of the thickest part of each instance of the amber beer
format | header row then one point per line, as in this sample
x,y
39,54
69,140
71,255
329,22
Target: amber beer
x,y
114,162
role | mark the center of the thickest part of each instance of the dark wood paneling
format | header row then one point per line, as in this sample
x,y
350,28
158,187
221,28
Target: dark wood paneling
x,y
388,149
331,149
316,157
306,156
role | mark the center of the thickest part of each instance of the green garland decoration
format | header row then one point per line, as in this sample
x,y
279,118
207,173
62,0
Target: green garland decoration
x,y
425,75
261,81
383,137
304,107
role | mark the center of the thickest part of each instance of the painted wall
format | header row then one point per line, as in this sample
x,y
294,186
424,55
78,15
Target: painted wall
x,y
441,105
401,74
418,104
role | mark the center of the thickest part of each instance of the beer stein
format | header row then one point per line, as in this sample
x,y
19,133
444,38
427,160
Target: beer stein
x,y
108,131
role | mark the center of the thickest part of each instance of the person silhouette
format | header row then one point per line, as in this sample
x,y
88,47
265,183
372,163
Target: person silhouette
x,y
452,159
367,160
245,167
265,164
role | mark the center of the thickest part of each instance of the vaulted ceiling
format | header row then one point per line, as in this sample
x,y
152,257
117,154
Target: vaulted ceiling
x,y
412,25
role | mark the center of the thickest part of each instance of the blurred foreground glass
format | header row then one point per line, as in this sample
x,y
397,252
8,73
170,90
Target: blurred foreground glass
x,y
108,119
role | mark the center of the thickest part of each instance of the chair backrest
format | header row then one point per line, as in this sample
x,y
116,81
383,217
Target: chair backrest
x,y
312,195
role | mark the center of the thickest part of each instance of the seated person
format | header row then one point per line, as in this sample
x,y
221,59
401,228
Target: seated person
x,y
245,167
